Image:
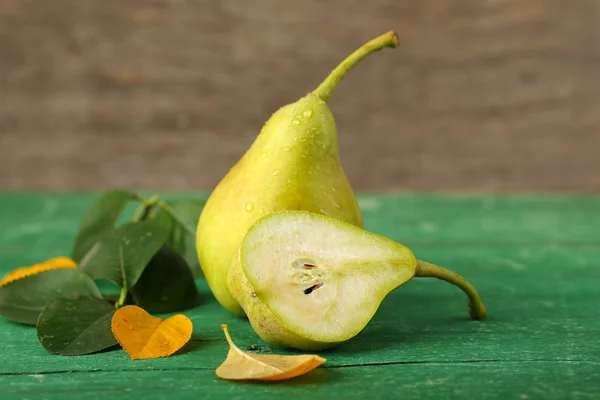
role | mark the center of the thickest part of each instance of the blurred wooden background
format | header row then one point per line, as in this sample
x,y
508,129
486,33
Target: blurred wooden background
x,y
168,94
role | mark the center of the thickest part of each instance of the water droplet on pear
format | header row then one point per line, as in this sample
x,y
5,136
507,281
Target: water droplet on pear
x,y
249,206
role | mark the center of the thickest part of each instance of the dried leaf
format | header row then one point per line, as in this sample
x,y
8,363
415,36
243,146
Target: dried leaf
x,y
22,272
240,365
143,336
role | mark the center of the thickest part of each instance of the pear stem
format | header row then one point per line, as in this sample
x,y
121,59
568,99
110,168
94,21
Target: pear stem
x,y
477,309
389,39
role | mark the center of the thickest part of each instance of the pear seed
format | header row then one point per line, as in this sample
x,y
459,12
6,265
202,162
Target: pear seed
x,y
300,263
312,288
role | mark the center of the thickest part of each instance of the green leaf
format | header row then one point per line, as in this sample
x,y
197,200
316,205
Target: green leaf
x,y
167,284
122,254
182,227
75,327
24,299
101,217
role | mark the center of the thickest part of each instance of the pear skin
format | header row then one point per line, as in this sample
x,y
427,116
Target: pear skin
x,y
292,165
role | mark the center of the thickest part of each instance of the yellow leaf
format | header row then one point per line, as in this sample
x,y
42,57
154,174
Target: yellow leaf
x,y
240,365
143,336
22,272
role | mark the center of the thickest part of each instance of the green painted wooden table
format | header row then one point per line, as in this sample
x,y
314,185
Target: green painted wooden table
x,y
534,259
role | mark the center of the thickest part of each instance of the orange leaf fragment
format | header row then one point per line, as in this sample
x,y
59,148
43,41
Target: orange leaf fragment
x,y
143,336
22,272
240,365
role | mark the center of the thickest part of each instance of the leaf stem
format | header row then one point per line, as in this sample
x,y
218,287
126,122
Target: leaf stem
x,y
326,88
123,295
122,298
143,210
162,204
477,309
226,330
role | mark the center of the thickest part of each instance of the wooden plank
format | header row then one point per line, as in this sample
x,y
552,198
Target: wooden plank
x,y
49,222
539,340
494,94
493,380
421,218
539,310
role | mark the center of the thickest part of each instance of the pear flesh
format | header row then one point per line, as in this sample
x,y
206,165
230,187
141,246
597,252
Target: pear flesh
x,y
309,281
292,165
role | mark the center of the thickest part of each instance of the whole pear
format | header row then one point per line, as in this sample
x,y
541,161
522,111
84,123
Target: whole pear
x,y
292,165
310,282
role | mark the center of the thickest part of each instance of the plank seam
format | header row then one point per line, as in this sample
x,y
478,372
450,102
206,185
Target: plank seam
x,y
325,366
